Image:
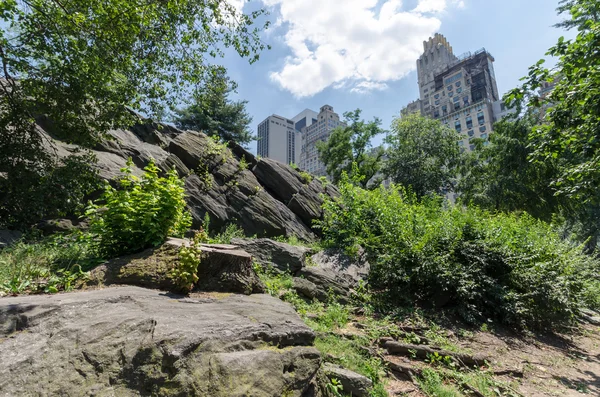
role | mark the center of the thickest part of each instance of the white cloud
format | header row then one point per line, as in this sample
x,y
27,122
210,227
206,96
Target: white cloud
x,y
351,43
366,86
436,6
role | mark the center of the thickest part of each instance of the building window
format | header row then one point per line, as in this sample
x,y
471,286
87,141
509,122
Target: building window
x,y
436,113
437,102
482,128
456,106
456,99
437,96
444,108
480,118
458,83
450,88
451,94
466,100
458,90
469,122
484,136
457,125
471,133
472,147
461,143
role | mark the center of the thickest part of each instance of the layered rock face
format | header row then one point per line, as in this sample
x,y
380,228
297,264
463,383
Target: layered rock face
x,y
130,341
262,196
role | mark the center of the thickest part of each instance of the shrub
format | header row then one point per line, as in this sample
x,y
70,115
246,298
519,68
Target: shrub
x,y
506,267
142,213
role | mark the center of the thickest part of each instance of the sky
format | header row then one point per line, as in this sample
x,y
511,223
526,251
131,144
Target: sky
x,y
362,53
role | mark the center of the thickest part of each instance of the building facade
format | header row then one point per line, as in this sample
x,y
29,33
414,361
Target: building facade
x,y
278,139
320,130
460,91
295,140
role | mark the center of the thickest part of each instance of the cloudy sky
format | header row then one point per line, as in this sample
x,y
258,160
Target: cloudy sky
x,y
362,53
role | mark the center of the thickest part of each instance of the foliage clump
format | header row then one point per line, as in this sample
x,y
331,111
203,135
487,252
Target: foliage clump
x,y
185,273
509,268
141,213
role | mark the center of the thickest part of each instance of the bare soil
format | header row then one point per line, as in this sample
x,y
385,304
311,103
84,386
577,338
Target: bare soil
x,y
556,365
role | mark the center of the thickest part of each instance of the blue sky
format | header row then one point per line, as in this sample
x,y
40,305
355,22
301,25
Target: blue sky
x,y
362,53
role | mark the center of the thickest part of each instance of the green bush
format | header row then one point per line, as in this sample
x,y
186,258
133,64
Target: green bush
x,y
509,268
142,213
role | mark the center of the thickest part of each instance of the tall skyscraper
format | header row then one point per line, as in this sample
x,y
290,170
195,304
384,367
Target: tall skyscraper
x,y
295,140
278,139
459,91
320,130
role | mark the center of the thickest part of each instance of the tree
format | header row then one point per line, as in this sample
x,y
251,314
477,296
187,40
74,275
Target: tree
x,y
351,144
214,113
77,65
423,154
570,131
569,134
501,177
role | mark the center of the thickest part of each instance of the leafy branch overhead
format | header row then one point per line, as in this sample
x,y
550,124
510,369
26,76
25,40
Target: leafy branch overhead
x,y
73,66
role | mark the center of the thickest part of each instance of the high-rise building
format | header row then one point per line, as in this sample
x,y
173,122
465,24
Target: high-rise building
x,y
459,91
295,140
303,120
278,139
319,130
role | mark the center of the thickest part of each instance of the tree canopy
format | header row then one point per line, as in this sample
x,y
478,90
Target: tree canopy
x,y
423,154
570,131
351,144
77,64
500,176
214,113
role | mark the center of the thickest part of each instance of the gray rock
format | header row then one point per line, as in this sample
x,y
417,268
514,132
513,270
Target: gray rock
x,y
9,237
280,179
332,270
351,269
309,290
267,199
221,268
50,226
353,384
129,341
267,252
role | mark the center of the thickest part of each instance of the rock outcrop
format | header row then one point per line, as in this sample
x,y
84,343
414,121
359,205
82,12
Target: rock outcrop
x,y
222,268
281,256
263,197
331,271
130,341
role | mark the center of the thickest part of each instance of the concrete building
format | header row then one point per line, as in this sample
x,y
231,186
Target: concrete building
x,y
303,120
458,91
278,139
319,130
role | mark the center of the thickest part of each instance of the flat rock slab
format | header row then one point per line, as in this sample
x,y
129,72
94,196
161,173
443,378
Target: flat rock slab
x,y
130,341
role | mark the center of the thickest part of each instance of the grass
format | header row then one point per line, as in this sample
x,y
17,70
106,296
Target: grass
x,y
49,264
432,383
326,318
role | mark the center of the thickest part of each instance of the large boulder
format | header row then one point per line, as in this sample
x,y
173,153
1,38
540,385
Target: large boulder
x,y
265,198
130,341
331,270
281,256
222,268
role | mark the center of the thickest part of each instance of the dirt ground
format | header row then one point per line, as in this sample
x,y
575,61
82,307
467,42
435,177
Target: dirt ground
x,y
555,365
